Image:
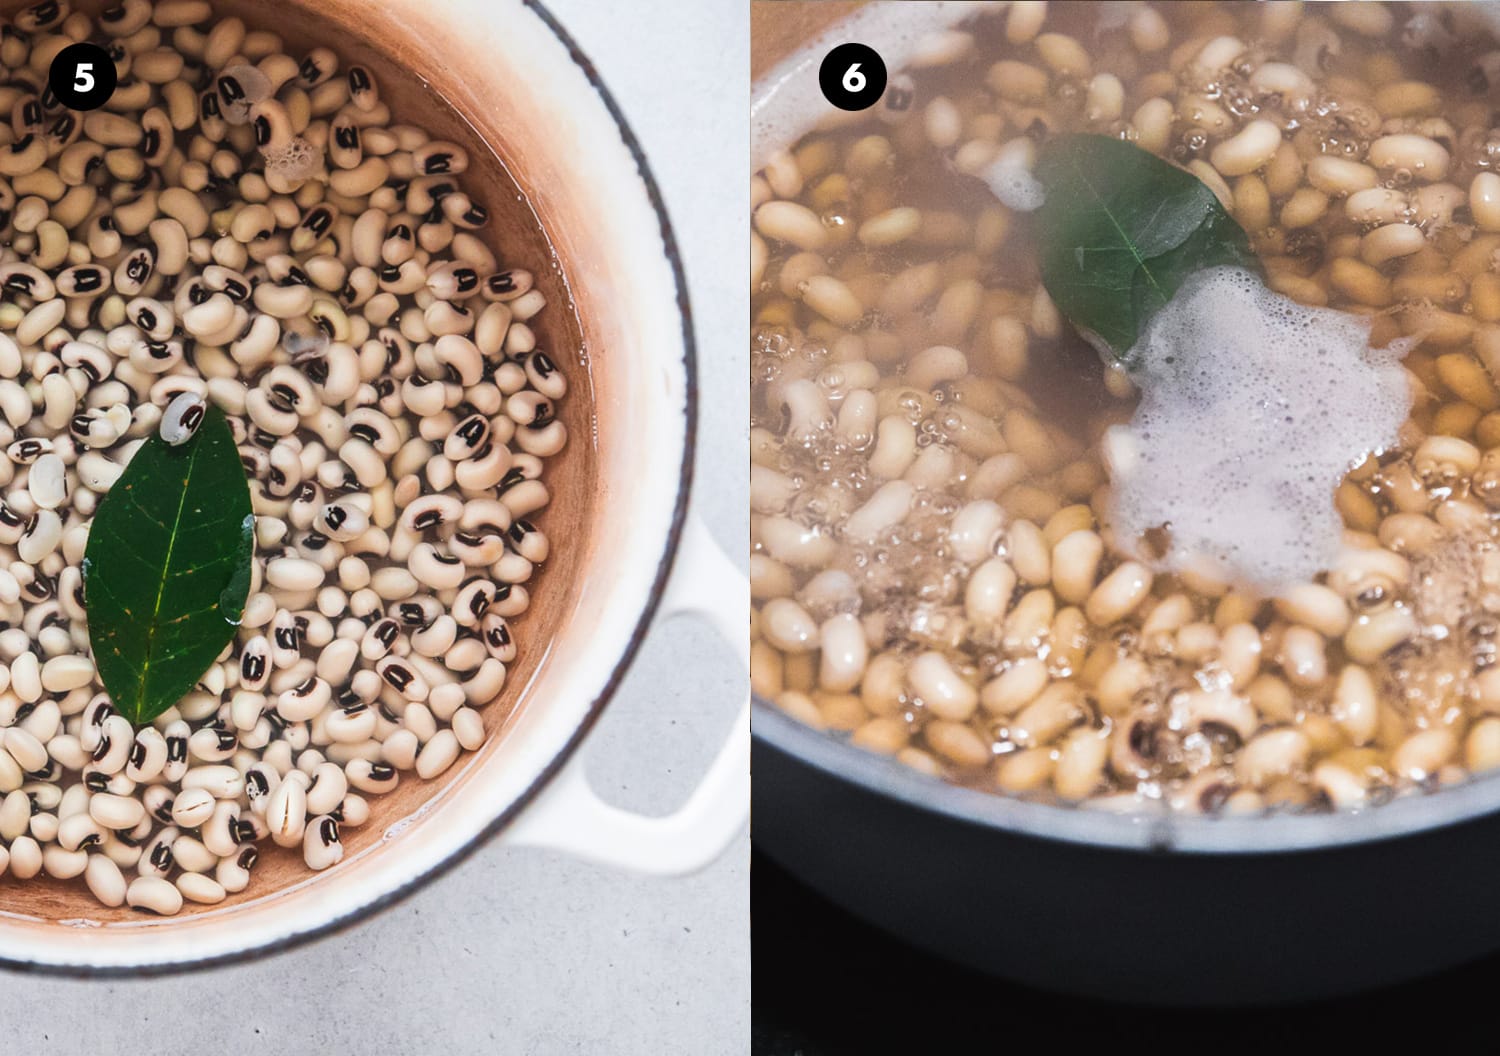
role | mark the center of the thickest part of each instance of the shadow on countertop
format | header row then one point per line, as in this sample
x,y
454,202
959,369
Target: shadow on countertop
x,y
826,984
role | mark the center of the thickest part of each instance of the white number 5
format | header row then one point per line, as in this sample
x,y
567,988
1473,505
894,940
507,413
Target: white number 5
x,y
83,80
854,81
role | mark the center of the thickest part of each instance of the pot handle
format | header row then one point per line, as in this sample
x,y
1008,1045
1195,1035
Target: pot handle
x,y
568,816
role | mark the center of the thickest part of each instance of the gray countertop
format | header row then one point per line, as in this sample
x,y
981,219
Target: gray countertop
x,y
524,951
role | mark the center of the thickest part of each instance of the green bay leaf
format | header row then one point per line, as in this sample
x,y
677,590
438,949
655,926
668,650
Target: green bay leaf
x,y
1121,230
167,567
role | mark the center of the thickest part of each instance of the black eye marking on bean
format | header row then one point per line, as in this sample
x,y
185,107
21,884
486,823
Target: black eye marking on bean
x,y
151,143
346,137
97,782
177,748
359,79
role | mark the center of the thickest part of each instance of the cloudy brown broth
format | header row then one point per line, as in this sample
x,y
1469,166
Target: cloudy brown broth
x,y
934,575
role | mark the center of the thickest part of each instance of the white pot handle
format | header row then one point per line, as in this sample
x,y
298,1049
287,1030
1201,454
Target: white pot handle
x,y
569,816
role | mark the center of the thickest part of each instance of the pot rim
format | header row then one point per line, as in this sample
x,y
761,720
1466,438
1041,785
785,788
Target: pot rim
x,y
1153,832
358,914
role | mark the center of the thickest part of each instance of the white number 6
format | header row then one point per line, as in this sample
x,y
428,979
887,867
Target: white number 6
x,y
854,81
83,80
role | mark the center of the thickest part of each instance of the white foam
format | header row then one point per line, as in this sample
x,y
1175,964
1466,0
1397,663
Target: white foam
x,y
1253,407
787,102
1010,179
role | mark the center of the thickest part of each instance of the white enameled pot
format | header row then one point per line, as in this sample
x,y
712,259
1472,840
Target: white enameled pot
x,y
629,550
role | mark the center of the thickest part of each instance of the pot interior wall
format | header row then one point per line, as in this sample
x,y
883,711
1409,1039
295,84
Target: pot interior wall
x,y
478,106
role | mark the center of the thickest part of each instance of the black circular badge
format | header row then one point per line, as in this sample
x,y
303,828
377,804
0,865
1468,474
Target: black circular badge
x,y
82,76
852,76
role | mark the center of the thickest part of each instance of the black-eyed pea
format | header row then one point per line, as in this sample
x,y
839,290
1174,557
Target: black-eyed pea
x,y
987,594
1421,755
843,653
943,691
1276,753
958,744
1482,746
1152,122
883,734
1344,787
1390,241
1075,563
1058,708
1248,150
1029,623
1029,554
1467,379
1316,606
1372,636
1015,687
840,711
1420,158
1410,533
1024,771
1119,594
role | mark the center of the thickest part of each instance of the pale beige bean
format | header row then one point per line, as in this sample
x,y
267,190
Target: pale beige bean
x,y
1080,764
1484,201
787,626
831,299
1424,159
1119,594
1248,150
976,530
1424,753
1303,659
890,227
958,744
1075,565
791,223
1239,653
1340,176
1315,606
945,692
987,594
1344,788
1015,687
1270,755
1378,205
1024,20
1356,704
1152,121
1029,554
844,653
1482,746
884,510
1371,637
1390,241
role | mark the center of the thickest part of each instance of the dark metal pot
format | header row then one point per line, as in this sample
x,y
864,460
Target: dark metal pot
x,y
1157,909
